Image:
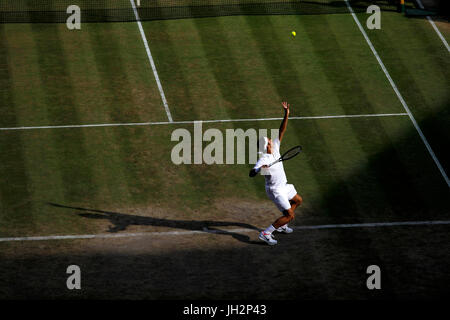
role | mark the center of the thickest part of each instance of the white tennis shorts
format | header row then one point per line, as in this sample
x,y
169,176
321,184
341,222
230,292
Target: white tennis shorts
x,y
281,196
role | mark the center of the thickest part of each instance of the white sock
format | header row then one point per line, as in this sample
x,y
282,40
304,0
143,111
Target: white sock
x,y
269,229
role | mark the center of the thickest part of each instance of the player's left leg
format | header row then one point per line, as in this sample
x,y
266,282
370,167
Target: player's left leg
x,y
281,200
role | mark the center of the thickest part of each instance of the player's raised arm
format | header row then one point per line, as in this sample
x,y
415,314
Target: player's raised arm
x,y
285,120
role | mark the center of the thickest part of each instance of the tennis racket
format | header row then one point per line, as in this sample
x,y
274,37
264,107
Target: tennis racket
x,y
288,155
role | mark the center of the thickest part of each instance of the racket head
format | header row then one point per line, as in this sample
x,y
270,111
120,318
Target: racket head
x,y
292,152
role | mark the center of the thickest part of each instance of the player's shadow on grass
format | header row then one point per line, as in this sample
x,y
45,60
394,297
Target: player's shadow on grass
x,y
121,221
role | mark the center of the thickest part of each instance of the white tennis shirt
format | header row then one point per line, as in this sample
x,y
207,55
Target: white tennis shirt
x,y
275,176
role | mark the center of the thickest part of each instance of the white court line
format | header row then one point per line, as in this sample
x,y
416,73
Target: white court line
x,y
152,63
202,121
224,231
397,92
435,27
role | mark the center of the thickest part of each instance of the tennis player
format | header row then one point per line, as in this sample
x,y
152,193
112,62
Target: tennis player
x,y
278,190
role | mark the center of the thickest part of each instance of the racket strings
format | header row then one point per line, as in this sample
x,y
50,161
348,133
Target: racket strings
x,y
291,153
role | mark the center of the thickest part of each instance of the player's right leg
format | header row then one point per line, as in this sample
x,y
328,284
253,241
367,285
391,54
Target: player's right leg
x,y
295,202
288,216
281,200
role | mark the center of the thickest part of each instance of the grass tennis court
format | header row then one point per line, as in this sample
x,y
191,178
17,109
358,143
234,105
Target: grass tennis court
x,y
120,179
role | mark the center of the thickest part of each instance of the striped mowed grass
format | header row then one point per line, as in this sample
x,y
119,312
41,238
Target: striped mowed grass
x,y
352,170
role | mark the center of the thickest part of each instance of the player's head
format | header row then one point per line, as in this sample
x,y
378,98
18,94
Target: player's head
x,y
264,145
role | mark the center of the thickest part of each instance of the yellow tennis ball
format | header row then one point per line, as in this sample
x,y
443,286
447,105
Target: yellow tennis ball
x,y
294,33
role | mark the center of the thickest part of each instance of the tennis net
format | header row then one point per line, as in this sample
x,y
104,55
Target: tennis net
x,y
48,11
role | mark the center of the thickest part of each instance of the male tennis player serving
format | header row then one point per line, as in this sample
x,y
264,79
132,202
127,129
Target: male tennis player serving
x,y
278,190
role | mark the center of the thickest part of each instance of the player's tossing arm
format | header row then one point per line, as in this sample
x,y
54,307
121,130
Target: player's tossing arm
x,y
285,120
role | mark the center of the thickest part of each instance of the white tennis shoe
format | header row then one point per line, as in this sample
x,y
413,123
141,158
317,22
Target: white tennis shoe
x,y
267,238
285,229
